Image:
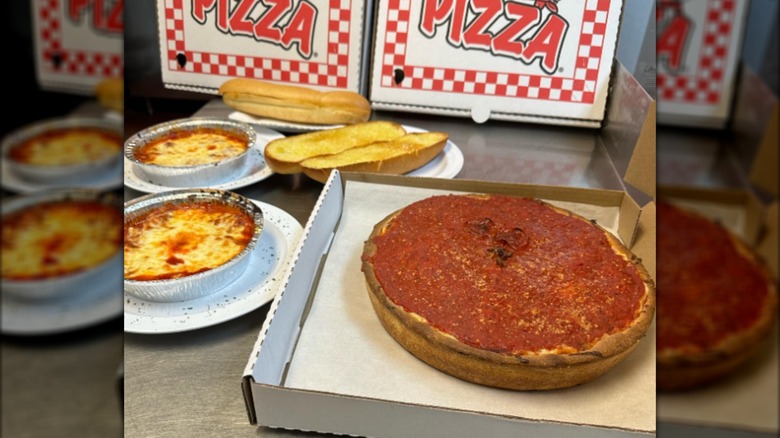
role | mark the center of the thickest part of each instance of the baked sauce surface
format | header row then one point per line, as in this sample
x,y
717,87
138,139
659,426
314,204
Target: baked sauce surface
x,y
707,289
192,148
67,146
59,238
177,240
507,274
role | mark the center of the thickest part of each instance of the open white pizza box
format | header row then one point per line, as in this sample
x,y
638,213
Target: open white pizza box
x,y
545,62
316,43
323,362
78,44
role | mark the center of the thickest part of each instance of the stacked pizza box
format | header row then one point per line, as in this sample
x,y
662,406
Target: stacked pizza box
x,y
698,51
77,46
545,61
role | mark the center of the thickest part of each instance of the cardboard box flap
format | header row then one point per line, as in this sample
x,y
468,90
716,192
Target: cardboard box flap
x,y
763,173
353,401
278,341
755,126
629,131
644,243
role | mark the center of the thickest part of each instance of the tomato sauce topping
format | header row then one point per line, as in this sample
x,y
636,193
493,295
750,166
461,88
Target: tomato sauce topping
x,y
507,274
706,288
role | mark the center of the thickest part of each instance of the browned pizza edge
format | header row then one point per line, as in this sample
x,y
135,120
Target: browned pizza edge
x,y
526,372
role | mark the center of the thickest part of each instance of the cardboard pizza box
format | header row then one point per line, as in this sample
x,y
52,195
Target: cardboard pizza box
x,y
322,321
314,43
532,61
77,43
698,51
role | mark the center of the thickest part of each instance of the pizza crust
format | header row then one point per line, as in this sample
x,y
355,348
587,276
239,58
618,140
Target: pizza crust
x,y
539,371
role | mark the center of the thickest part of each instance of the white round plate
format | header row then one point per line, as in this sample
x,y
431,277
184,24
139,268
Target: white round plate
x,y
254,171
447,164
281,125
106,180
256,287
82,309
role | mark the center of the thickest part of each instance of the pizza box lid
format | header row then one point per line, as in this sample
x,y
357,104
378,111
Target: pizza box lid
x,y
321,321
319,44
533,61
748,400
698,46
77,44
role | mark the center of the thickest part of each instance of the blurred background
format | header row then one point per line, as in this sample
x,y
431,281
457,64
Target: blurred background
x,y
60,358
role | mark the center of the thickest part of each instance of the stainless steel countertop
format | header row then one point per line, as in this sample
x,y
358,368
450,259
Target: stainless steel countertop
x,y
189,384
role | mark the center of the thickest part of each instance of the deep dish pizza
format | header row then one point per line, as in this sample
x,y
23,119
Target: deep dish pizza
x,y
192,148
181,239
716,301
67,147
58,238
506,291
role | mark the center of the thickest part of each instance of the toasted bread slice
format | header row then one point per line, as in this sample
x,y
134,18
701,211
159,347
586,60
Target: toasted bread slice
x,y
396,156
284,155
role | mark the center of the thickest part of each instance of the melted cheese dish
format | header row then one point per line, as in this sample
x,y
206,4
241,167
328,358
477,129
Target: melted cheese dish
x,y
67,147
192,148
178,240
58,238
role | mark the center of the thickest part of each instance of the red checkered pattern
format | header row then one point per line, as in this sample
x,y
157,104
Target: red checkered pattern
x,y
704,83
60,59
579,88
331,73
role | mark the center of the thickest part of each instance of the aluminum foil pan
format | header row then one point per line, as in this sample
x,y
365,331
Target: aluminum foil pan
x,y
68,284
203,283
189,176
66,173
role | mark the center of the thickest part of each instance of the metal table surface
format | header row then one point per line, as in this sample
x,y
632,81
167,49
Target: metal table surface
x,y
189,383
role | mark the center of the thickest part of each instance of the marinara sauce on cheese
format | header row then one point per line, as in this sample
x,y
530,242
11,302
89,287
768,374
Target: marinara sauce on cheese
x,y
507,274
181,239
58,238
707,288
192,148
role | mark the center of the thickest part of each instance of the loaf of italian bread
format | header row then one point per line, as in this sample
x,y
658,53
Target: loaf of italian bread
x,y
295,103
397,156
111,94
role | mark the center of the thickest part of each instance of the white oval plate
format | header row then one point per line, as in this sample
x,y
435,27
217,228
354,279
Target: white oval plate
x,y
106,180
447,164
281,125
254,171
82,309
256,287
